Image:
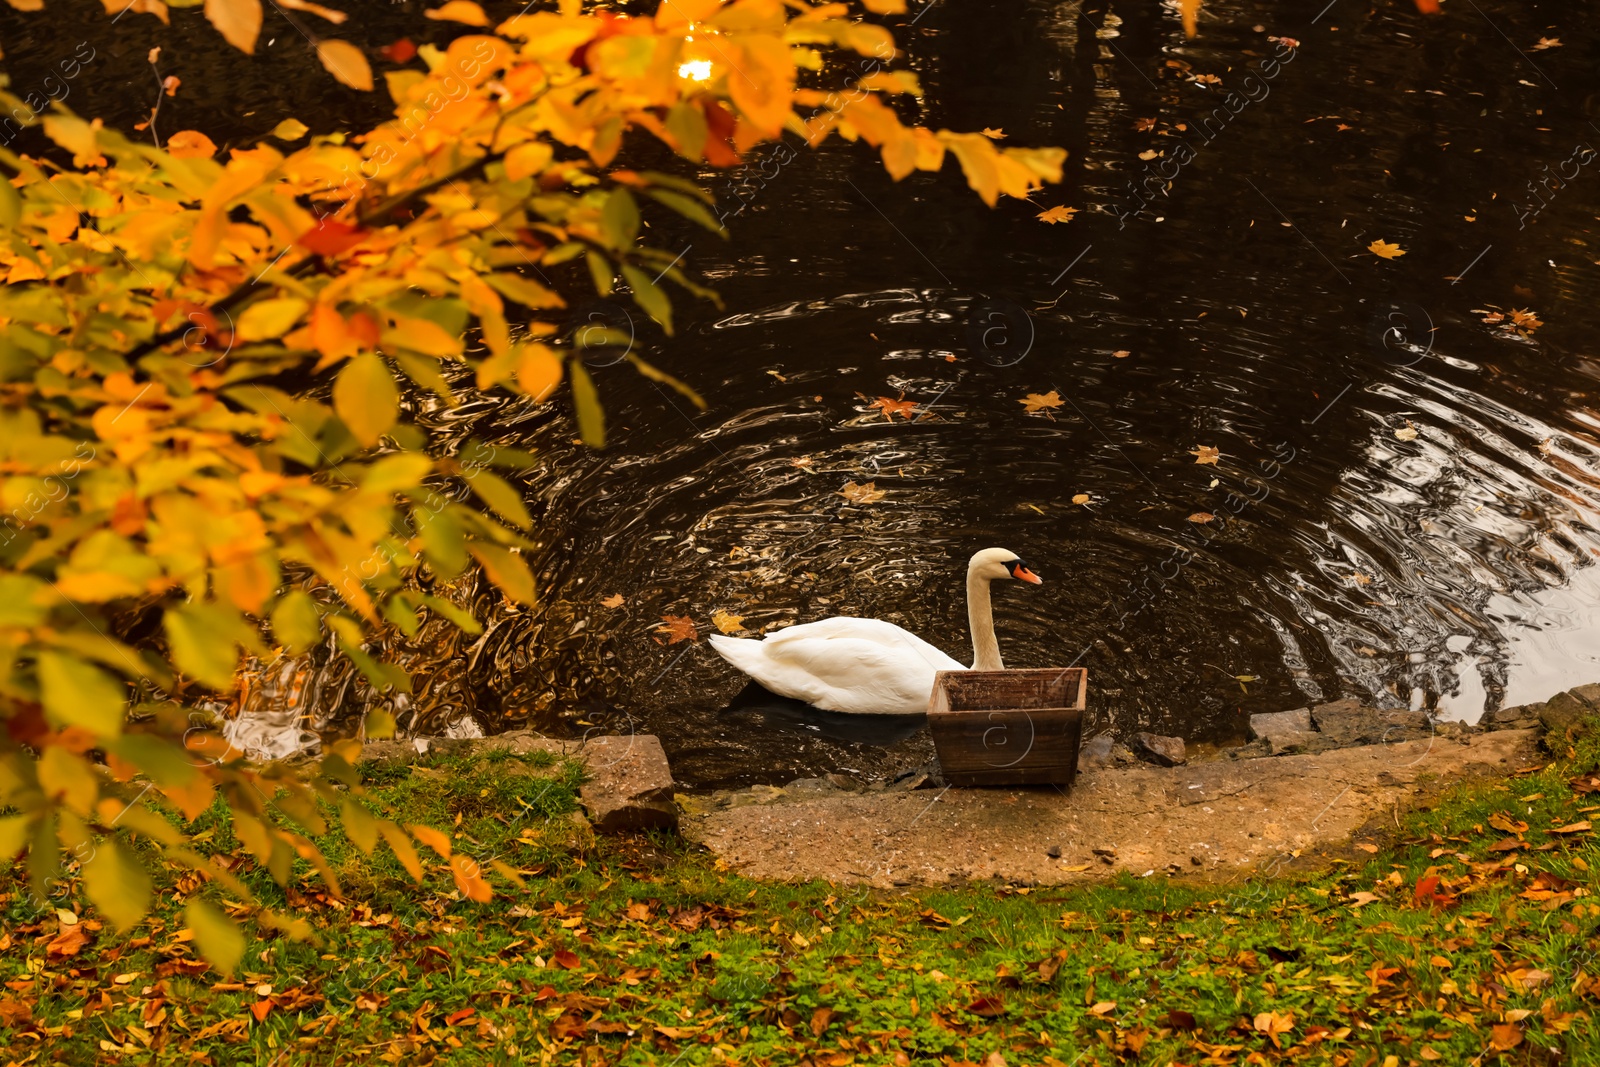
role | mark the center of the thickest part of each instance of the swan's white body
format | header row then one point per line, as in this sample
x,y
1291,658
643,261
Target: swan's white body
x,y
869,666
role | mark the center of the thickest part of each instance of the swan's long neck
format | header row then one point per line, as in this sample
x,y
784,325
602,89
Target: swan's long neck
x,y
980,618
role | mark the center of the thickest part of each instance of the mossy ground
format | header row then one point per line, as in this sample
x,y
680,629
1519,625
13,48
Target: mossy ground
x,y
642,952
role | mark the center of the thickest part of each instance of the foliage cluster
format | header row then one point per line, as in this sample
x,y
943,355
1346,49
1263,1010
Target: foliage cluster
x,y
203,371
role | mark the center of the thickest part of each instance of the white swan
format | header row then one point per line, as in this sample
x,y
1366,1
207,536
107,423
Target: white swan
x,y
869,666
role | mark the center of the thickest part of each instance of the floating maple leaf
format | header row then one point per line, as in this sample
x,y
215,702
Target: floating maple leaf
x,y
1202,517
678,628
726,622
1526,321
862,494
1081,498
1144,124
890,408
1059,213
613,601
1385,249
1121,353
993,133
1546,42
1037,402
1206,454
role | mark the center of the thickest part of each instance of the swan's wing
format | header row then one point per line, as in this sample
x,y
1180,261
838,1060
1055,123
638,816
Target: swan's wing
x,y
852,674
897,640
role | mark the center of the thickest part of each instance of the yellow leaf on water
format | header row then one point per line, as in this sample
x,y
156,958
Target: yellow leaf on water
x,y
1206,454
1036,402
459,11
615,600
1080,498
290,130
1059,213
1202,517
868,493
1385,249
993,133
239,21
726,622
191,144
346,63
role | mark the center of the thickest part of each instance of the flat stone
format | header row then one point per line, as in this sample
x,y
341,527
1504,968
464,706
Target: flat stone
x,y
1348,722
1283,729
1589,694
1562,712
1096,753
629,784
1522,713
1154,748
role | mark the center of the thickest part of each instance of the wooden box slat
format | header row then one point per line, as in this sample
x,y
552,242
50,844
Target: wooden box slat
x,y
1008,727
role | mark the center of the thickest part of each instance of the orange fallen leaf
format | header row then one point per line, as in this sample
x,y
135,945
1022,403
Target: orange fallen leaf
x,y
868,493
1385,249
456,1017
566,959
613,601
1572,828
993,133
1202,517
890,408
1206,454
1059,213
678,628
1037,402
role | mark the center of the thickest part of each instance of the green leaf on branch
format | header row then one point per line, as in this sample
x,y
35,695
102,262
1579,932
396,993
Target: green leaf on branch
x,y
500,495
586,402
76,693
366,398
116,883
619,220
218,937
600,271
649,296
296,622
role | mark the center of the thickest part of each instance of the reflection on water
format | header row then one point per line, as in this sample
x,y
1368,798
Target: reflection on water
x,y
1404,501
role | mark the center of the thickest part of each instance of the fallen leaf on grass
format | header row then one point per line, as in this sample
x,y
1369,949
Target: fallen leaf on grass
x,y
1367,846
1272,1024
1180,1020
1572,828
455,1018
1206,454
566,959
1501,821
1505,1037
1037,402
820,1020
862,494
678,628
69,942
1059,213
1363,898
1509,844
988,1007
727,623
1104,1007
1386,250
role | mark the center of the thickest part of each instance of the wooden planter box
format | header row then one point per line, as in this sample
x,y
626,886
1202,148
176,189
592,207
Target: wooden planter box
x,y
1008,727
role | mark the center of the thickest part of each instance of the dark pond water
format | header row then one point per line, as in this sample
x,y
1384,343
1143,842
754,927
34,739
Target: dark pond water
x,y
1237,308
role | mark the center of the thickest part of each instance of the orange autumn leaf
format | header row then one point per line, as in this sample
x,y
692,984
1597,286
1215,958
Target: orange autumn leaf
x,y
1385,250
678,628
1060,213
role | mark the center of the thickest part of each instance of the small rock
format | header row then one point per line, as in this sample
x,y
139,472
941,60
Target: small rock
x,y
1589,694
1105,853
1196,861
1348,722
1096,754
844,782
914,780
810,787
1054,852
1562,712
629,784
1163,751
1282,729
1520,713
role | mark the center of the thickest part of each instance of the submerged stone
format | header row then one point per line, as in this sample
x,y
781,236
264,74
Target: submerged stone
x,y
1348,722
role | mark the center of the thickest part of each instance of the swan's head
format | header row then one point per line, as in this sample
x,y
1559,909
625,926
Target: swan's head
x,y
997,563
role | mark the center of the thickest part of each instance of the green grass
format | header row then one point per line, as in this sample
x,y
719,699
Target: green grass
x,y
642,952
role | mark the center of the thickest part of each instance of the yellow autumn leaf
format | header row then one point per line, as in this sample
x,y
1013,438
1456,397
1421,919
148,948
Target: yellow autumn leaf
x,y
1206,454
1036,402
239,21
464,11
726,622
1385,249
862,494
346,63
366,398
290,130
1060,213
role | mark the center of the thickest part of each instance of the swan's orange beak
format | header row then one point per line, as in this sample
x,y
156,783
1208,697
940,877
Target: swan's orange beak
x,y
1026,575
